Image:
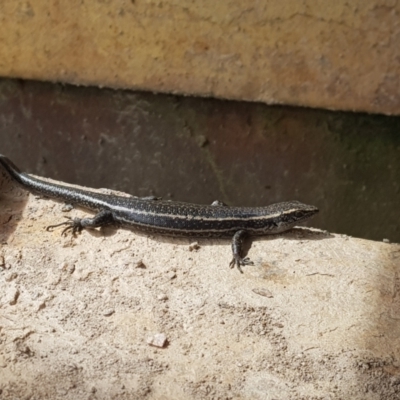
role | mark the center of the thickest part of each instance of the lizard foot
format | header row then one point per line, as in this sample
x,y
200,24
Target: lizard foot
x,y
73,224
236,260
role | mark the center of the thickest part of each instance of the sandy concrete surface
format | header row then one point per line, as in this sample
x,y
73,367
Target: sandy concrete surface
x,y
316,317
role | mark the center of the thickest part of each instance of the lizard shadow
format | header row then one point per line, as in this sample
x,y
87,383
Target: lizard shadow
x,y
13,200
299,233
296,233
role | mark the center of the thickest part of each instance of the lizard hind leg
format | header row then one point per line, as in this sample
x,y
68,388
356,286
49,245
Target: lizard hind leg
x,y
76,225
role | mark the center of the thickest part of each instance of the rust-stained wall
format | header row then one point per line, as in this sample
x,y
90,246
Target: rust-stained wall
x,y
337,55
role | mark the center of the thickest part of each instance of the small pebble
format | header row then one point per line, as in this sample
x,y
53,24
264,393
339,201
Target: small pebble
x,y
140,264
386,241
263,292
12,295
171,275
108,312
157,340
67,267
3,362
201,140
194,246
11,276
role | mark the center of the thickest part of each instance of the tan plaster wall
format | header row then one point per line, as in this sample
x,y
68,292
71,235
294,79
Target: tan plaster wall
x,y
337,55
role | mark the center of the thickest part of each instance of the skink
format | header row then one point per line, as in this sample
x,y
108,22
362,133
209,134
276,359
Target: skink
x,y
170,218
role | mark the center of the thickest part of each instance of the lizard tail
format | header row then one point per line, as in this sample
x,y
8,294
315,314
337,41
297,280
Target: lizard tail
x,y
11,169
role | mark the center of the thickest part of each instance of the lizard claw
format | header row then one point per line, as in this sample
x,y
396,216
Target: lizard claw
x,y
236,260
73,224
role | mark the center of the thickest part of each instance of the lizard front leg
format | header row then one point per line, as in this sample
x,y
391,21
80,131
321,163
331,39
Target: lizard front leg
x,y
237,251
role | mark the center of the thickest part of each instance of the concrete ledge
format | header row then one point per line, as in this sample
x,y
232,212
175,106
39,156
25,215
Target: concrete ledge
x,y
337,56
318,316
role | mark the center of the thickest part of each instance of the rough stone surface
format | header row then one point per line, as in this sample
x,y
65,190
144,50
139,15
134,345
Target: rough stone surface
x,y
316,317
342,55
